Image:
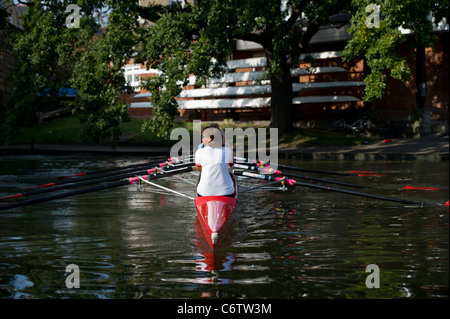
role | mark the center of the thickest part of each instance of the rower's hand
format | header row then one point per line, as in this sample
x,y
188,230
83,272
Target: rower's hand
x,y
197,168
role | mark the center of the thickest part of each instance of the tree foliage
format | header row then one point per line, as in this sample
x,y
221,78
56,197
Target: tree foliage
x,y
49,55
98,74
379,43
199,39
36,76
166,47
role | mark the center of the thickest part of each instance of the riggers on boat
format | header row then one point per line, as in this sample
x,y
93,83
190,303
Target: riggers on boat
x,y
215,213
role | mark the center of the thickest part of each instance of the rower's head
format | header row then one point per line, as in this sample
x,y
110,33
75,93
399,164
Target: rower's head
x,y
213,136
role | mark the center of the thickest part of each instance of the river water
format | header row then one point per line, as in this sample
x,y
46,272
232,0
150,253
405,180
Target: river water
x,y
301,243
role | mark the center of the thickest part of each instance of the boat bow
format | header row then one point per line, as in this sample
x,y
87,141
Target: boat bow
x,y
214,212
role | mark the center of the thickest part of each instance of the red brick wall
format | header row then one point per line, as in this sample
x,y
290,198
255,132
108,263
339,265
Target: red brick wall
x,y
140,113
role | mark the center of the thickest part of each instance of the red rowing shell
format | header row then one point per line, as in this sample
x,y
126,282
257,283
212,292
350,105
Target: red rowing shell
x,y
214,213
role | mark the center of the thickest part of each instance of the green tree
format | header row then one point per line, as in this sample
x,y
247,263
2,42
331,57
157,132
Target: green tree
x,y
35,79
98,74
50,55
3,16
215,25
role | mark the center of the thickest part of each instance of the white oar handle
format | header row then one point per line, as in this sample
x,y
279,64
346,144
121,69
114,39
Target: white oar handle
x,y
254,175
288,181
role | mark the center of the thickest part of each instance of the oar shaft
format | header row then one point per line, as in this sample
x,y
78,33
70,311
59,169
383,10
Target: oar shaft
x,y
90,182
265,177
350,192
266,170
323,180
166,189
260,186
88,178
332,189
280,166
63,195
294,168
93,189
80,184
112,169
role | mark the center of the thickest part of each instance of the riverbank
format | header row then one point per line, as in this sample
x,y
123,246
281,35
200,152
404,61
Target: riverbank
x,y
431,147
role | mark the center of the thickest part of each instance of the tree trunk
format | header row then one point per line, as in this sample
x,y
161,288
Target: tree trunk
x,y
421,83
281,113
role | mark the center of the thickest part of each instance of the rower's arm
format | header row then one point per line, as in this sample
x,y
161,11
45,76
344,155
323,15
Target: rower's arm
x,y
197,168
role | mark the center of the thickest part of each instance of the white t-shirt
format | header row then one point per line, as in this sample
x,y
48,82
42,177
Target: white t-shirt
x,y
215,179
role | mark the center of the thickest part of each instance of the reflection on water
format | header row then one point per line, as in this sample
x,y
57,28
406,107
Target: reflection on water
x,y
304,243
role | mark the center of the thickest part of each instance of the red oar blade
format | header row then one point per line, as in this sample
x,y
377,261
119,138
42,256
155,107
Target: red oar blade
x,y
364,173
45,185
114,169
371,174
407,187
12,196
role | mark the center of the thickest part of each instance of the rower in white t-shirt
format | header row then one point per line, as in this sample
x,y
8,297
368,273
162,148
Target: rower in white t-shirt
x,y
214,161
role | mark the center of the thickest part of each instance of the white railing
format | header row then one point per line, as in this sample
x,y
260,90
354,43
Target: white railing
x,y
224,93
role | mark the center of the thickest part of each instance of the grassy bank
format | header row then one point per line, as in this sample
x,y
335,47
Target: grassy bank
x,y
66,131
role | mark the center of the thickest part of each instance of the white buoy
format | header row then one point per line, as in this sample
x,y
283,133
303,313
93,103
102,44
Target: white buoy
x,y
214,238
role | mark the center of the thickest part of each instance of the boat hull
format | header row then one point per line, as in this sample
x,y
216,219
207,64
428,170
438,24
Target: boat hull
x,y
214,213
